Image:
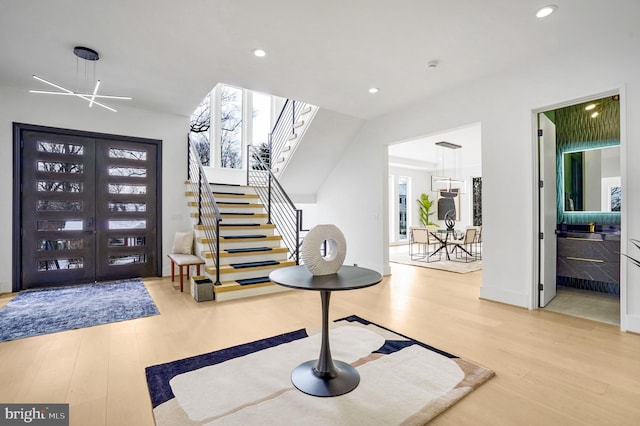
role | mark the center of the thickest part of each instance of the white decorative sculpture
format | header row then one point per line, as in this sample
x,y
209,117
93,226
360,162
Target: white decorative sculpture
x,y
311,249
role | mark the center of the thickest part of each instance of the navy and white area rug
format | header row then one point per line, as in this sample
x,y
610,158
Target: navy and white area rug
x,y
402,381
49,310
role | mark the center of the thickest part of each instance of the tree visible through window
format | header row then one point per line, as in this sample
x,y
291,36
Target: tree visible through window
x,y
245,118
261,127
199,130
231,127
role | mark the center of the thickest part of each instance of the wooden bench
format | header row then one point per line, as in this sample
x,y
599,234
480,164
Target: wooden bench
x,y
183,260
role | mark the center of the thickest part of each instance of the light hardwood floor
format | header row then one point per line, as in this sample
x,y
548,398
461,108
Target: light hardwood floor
x,y
551,369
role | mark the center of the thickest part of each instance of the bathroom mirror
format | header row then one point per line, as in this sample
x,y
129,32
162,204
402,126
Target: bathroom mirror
x,y
592,180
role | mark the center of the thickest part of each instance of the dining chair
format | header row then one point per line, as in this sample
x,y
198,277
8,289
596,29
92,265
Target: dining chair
x,y
477,249
463,247
477,242
421,244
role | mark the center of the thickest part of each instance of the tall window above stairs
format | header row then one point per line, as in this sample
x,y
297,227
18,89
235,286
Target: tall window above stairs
x,y
231,112
262,113
262,119
226,121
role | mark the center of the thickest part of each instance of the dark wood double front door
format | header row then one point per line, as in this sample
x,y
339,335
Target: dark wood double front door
x,y
88,207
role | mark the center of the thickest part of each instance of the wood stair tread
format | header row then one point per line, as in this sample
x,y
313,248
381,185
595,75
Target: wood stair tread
x,y
237,226
240,204
247,225
243,214
235,286
233,195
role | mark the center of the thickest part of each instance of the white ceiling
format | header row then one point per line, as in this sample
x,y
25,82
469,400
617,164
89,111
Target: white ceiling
x,y
169,54
423,153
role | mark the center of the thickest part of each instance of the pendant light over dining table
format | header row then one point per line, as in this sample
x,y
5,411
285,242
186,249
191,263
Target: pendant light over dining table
x,y
447,177
447,183
90,85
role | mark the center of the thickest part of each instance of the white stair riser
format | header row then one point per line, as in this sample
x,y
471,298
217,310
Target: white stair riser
x,y
224,260
239,208
221,198
248,244
245,231
234,208
244,219
233,189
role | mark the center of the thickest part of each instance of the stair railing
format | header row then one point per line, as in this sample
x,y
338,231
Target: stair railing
x,y
208,213
280,209
284,128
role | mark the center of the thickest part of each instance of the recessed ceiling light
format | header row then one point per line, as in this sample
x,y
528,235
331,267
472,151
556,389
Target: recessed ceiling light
x,y
259,53
546,11
374,90
589,107
595,114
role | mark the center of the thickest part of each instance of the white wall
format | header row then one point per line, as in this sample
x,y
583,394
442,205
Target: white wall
x,y
71,113
355,196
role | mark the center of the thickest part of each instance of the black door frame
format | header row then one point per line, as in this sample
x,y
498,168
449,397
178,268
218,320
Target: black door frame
x,y
17,189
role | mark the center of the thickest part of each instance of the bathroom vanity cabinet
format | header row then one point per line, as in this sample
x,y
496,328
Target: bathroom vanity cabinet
x,y
589,260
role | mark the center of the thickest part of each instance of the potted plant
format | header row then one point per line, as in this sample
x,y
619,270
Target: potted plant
x,y
425,204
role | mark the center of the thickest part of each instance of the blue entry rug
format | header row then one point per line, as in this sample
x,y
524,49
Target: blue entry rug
x,y
402,381
49,310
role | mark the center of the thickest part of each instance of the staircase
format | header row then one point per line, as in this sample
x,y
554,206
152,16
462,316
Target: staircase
x,y
250,248
292,123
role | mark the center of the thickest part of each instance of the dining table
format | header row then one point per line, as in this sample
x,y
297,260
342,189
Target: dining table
x,y
438,235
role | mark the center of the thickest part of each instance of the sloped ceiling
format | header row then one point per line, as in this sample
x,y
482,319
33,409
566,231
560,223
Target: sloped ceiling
x,y
167,54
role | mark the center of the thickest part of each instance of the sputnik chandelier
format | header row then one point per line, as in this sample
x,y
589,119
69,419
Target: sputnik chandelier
x,y
89,56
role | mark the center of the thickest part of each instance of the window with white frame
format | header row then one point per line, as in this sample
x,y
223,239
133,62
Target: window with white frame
x,y
231,115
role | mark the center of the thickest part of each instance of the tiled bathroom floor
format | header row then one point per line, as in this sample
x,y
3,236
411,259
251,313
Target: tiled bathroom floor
x,y
592,305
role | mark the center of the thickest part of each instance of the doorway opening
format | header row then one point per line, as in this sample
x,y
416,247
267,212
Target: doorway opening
x,y
579,209
445,164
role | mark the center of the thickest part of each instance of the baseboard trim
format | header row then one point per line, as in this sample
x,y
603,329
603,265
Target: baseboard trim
x,y
633,323
503,296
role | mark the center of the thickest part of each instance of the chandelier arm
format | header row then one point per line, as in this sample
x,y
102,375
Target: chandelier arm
x,y
95,102
53,84
93,96
48,92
